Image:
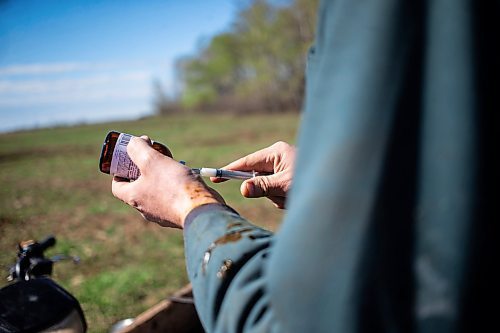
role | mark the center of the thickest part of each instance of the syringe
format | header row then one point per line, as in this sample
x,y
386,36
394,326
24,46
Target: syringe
x,y
221,173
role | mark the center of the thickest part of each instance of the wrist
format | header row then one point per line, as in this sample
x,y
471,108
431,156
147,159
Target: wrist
x,y
200,210
198,194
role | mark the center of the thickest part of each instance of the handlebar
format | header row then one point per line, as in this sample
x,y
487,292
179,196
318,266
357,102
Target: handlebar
x,y
47,242
31,262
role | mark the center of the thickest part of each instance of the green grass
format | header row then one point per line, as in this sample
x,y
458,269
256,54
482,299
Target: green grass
x,y
50,184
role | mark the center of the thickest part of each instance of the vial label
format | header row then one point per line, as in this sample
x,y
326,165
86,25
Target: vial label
x,y
121,164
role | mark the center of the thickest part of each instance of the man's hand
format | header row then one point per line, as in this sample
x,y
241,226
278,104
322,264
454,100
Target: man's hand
x,y
279,160
166,190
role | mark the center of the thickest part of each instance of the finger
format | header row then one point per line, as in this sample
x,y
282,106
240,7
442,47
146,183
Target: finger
x,y
119,188
218,179
263,186
141,152
147,139
261,160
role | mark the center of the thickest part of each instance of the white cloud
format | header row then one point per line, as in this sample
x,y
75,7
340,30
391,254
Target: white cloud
x,y
77,96
51,68
43,94
68,84
92,86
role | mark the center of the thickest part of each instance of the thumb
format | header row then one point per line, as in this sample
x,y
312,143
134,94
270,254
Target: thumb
x,y
140,152
263,186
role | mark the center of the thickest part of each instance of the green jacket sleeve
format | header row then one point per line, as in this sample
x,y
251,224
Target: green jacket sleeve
x,y
226,258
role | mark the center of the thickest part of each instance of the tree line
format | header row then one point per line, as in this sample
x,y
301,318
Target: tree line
x,y
255,66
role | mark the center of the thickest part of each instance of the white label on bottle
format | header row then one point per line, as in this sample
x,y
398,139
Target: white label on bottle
x,y
121,164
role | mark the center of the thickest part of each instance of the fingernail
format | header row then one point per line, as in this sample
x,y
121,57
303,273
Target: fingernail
x,y
250,189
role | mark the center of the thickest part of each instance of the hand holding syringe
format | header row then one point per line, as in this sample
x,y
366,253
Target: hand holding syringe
x,y
274,166
273,174
165,193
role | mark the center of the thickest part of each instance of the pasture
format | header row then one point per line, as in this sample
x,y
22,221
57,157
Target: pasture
x,y
50,184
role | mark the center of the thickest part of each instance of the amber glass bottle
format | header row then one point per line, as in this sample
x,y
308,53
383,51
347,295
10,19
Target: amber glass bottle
x,y
115,160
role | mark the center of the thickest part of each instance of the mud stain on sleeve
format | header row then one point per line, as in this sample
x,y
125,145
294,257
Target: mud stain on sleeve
x,y
224,268
234,224
230,237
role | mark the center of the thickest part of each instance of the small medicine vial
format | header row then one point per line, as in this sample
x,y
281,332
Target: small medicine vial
x,y
115,160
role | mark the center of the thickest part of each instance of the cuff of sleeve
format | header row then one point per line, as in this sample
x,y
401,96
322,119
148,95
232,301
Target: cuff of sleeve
x,y
211,207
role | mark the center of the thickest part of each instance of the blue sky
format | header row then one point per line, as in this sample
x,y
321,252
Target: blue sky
x,y
72,61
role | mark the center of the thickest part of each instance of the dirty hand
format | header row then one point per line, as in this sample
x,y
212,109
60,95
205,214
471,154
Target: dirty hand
x,y
279,160
166,190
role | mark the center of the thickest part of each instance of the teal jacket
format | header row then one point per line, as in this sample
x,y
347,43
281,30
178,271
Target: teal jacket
x,y
390,220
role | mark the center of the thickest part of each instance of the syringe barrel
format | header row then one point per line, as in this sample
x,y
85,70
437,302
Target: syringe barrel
x,y
221,173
